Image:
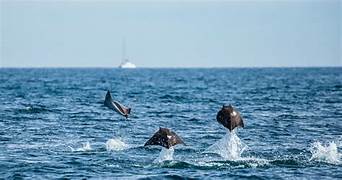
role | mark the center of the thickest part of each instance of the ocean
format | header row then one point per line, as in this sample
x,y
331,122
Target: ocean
x,y
54,125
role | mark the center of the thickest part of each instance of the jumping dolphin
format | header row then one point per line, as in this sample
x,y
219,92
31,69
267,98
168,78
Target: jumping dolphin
x,y
164,137
229,117
116,106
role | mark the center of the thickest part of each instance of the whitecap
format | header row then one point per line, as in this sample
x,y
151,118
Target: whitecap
x,y
115,145
325,153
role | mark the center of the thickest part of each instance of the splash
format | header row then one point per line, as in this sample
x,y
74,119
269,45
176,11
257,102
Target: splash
x,y
115,145
85,147
165,155
328,153
230,147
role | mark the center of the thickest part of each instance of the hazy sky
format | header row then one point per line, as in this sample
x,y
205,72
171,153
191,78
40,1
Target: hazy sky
x,y
171,34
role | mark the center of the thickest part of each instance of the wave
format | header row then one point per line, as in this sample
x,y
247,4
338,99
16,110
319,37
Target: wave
x,y
116,144
325,153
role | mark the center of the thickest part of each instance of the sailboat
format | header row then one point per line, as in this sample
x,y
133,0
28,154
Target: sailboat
x,y
125,62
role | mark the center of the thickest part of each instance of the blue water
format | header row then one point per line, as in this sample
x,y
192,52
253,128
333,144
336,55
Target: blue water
x,y
53,123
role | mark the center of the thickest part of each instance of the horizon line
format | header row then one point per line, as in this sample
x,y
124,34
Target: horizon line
x,y
162,67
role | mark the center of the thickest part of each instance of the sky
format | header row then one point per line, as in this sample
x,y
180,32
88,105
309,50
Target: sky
x,y
170,33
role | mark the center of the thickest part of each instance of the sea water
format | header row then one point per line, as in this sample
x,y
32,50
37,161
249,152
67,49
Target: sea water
x,y
53,123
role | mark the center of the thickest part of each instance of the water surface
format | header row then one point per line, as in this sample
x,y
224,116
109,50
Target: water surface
x,y
54,125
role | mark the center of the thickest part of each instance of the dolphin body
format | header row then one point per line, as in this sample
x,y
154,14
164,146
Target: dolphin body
x,y
229,117
116,106
164,137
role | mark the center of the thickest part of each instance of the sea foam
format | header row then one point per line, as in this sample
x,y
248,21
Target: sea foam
x,y
325,153
165,155
85,147
115,145
230,147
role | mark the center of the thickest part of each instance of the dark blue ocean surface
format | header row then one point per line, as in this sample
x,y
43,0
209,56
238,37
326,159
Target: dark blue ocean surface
x,y
53,123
